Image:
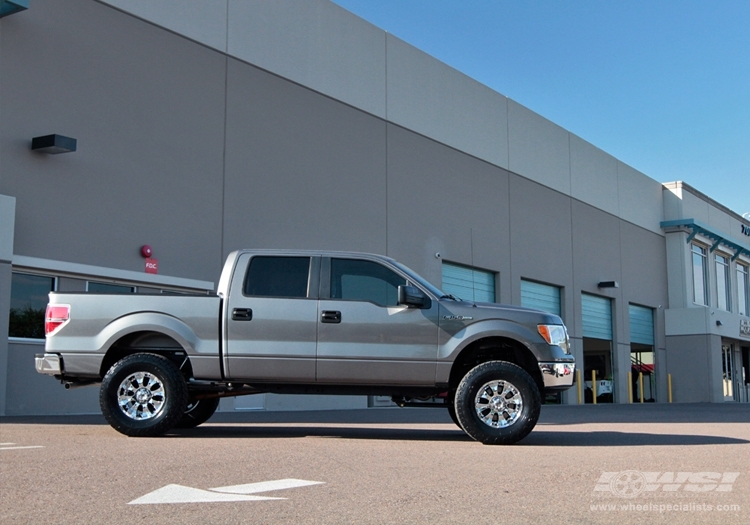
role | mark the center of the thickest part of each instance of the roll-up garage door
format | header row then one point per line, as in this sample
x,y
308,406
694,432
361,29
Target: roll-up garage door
x,y
596,314
540,296
641,325
468,283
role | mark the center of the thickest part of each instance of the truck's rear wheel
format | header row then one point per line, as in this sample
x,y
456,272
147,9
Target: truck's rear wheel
x,y
198,411
497,403
143,395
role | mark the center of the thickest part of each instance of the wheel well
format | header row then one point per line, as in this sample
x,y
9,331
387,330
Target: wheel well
x,y
151,343
495,349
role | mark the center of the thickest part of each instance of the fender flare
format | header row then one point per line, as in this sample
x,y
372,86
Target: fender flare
x,y
148,322
489,328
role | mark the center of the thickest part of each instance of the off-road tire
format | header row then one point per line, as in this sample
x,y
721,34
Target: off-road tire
x,y
497,403
143,395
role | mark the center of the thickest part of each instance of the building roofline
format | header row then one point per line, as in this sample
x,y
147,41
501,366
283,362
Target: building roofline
x,y
685,186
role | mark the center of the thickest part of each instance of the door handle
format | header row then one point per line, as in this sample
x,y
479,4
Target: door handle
x,y
242,314
330,316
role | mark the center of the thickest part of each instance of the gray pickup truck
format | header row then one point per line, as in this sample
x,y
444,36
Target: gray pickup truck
x,y
308,322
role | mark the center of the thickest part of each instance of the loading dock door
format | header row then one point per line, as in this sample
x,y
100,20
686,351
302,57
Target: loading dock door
x,y
642,352
540,296
469,284
596,315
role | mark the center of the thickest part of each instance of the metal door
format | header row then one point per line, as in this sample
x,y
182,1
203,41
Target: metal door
x,y
363,336
271,319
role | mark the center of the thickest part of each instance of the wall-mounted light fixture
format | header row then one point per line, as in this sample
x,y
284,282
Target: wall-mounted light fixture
x,y
719,323
53,144
9,7
608,284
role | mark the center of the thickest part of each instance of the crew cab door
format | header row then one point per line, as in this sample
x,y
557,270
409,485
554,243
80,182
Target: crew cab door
x,y
364,336
271,319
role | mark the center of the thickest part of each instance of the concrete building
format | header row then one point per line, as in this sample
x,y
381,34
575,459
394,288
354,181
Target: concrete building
x,y
204,126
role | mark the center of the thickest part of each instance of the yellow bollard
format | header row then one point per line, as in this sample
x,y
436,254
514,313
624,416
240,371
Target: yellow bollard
x,y
669,386
640,385
580,387
593,385
630,387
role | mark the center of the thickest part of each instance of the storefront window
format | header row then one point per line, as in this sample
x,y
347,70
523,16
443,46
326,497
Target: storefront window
x,y
700,280
28,302
95,287
742,295
723,289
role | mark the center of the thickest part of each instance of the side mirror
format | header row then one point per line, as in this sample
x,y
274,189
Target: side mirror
x,y
412,296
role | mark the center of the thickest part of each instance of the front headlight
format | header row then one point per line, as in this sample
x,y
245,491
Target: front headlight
x,y
555,334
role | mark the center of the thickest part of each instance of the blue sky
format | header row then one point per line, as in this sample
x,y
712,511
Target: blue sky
x,y
662,85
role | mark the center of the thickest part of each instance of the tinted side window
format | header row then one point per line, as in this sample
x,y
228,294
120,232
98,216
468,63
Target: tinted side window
x,y
364,281
277,277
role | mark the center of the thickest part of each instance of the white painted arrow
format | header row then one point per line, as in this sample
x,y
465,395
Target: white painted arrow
x,y
267,486
182,494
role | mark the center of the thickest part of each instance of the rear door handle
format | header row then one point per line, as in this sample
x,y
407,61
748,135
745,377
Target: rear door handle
x,y
330,316
242,314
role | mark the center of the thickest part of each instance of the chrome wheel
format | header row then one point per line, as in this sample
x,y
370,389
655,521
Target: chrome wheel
x,y
498,404
141,396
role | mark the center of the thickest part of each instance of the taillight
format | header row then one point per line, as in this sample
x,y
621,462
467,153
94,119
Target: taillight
x,y
57,315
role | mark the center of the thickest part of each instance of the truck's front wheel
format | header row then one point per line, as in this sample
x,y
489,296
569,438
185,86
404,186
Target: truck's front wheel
x,y
497,403
143,395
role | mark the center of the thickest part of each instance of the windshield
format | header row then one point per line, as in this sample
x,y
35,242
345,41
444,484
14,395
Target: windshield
x,y
421,280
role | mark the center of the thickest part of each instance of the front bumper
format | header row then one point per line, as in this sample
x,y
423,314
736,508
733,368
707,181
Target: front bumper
x,y
49,364
558,376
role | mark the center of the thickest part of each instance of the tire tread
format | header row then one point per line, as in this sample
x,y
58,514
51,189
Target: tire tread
x,y
175,388
464,403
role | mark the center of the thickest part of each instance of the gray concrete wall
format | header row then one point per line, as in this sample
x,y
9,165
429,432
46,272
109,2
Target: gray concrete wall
x,y
147,109
695,364
682,201
321,46
302,170
547,254
438,199
29,393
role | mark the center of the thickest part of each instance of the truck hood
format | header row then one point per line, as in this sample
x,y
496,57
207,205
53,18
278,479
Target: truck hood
x,y
472,312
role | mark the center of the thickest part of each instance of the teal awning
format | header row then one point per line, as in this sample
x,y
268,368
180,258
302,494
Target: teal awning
x,y
695,228
8,7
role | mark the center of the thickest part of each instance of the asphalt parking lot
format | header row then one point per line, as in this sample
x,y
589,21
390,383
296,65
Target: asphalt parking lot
x,y
582,464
